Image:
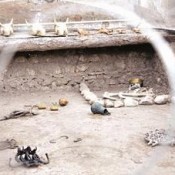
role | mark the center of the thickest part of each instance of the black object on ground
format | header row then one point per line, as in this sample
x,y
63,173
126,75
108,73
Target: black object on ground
x,y
78,140
29,158
97,108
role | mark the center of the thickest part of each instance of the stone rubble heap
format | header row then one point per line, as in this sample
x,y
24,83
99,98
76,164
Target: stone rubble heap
x,y
157,137
141,96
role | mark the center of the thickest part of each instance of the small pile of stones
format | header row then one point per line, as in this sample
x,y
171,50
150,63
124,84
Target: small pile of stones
x,y
87,94
131,98
158,137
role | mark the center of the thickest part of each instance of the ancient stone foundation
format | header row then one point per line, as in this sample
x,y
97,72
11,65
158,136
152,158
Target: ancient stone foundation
x,y
102,68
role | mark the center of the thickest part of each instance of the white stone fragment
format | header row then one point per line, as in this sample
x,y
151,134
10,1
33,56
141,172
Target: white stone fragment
x,y
108,103
91,101
162,99
130,102
93,98
83,86
148,100
118,104
87,95
85,91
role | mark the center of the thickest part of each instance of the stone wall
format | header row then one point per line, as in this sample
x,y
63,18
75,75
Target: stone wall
x,y
102,68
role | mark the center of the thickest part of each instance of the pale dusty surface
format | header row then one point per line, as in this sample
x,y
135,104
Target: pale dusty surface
x,y
110,144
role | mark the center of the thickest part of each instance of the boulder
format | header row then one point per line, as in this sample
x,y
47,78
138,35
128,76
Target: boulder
x,y
108,103
130,102
162,99
118,104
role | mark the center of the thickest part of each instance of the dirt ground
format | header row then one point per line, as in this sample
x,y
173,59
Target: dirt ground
x,y
45,12
110,144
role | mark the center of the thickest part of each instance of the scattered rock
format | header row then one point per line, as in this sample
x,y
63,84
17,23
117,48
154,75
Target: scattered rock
x,y
29,158
63,102
82,67
97,108
148,100
108,103
156,137
78,140
162,99
93,99
130,102
90,96
118,104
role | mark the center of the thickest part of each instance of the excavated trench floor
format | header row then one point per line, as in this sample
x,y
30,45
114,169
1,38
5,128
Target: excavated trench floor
x,y
109,144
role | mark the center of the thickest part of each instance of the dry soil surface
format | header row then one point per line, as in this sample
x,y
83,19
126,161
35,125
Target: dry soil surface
x,y
110,144
39,10
45,12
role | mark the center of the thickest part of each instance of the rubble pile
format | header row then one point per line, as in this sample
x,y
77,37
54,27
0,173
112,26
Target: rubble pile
x,y
130,98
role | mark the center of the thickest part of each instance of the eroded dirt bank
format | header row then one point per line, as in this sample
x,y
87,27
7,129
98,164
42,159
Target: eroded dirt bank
x,y
103,68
